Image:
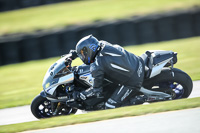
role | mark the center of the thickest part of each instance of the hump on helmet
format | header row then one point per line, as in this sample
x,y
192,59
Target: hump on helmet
x,y
87,49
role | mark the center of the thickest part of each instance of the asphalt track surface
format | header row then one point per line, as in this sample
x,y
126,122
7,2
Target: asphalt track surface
x,y
23,114
184,121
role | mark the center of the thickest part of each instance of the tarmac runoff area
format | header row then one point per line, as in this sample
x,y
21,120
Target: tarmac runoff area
x,y
23,114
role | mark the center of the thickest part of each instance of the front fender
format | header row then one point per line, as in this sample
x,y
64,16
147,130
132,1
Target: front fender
x,y
43,94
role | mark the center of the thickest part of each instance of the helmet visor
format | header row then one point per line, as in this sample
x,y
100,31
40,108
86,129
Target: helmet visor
x,y
82,55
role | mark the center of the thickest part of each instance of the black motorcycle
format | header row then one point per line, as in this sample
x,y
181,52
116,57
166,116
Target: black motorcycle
x,y
162,82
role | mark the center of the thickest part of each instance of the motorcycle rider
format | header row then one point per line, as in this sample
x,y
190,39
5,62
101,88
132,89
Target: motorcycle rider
x,y
113,63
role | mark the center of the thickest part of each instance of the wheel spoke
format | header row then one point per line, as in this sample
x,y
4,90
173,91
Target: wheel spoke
x,y
177,89
44,109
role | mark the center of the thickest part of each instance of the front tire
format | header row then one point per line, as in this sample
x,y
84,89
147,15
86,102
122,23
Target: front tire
x,y
41,108
180,84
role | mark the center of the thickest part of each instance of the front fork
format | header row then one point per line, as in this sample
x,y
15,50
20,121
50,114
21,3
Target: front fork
x,y
55,106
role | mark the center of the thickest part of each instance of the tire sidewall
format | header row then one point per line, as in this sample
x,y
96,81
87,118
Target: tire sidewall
x,y
35,104
166,76
37,101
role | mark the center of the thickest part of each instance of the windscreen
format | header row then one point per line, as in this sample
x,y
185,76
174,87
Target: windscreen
x,y
55,73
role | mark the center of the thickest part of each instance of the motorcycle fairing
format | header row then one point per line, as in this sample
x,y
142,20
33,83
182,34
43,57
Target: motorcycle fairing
x,y
83,69
156,60
158,67
87,78
56,75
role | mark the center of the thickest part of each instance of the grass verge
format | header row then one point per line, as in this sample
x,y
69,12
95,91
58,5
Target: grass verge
x,y
20,83
82,12
103,115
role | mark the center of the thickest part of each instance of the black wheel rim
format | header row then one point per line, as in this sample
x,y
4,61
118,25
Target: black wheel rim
x,y
175,89
44,110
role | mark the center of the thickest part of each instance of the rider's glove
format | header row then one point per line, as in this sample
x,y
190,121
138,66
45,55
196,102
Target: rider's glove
x,y
76,95
97,92
74,54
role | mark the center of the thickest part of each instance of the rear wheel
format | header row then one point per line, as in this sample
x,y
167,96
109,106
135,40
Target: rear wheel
x,y
178,85
41,108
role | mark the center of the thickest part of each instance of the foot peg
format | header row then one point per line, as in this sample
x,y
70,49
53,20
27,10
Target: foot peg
x,y
138,100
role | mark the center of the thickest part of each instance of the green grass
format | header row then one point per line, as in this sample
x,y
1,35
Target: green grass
x,y
82,12
103,115
20,83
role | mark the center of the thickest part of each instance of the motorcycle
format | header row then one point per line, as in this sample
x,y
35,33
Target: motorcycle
x,y
162,82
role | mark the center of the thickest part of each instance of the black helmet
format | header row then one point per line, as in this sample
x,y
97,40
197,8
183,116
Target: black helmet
x,y
87,49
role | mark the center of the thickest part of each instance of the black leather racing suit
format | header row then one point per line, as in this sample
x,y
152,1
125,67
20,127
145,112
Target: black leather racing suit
x,y
119,66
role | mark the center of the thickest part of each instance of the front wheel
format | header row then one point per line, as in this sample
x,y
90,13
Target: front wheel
x,y
179,84
41,108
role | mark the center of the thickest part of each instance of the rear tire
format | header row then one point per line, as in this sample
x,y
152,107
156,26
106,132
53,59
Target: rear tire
x,y
166,76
